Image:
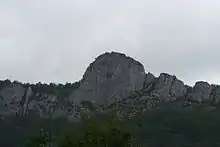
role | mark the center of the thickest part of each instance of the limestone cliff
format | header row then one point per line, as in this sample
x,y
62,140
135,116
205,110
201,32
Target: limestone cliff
x,y
111,75
112,82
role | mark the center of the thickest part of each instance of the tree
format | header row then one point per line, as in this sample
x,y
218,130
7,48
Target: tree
x,y
99,133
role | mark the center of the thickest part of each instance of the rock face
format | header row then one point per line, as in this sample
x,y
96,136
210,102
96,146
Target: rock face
x,y
113,80
149,79
11,97
26,97
111,75
201,92
165,87
215,94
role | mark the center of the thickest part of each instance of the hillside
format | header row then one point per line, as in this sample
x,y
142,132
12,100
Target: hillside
x,y
112,82
160,111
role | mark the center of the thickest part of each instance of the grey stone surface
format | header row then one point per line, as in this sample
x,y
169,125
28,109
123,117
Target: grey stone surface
x,y
201,92
149,79
168,87
215,94
110,75
11,97
109,82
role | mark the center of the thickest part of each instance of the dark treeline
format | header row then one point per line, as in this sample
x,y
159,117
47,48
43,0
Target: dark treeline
x,y
191,127
60,90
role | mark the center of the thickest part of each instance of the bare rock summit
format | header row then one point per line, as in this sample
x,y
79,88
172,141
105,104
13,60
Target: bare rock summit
x,y
114,82
111,75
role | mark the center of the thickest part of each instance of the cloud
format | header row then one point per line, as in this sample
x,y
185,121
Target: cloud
x,y
55,40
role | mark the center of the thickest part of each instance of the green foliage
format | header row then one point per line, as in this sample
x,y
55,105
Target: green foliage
x,y
57,89
196,127
103,133
43,139
96,132
4,83
189,127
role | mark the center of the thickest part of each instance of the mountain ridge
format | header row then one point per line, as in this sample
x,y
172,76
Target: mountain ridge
x,y
112,80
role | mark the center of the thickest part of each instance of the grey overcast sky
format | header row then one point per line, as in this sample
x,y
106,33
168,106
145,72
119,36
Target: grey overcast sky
x,y
55,40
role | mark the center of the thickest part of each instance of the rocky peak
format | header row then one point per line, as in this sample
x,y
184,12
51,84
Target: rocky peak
x,y
200,92
110,75
168,87
149,79
113,79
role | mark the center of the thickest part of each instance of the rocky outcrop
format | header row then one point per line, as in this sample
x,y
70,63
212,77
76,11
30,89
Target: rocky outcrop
x,y
149,79
11,98
40,99
111,75
166,87
200,92
112,82
27,95
215,94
